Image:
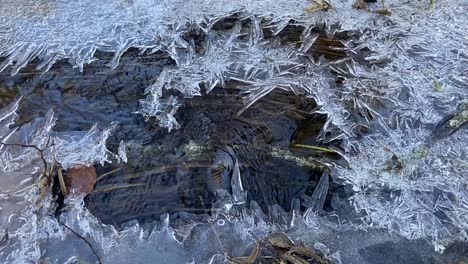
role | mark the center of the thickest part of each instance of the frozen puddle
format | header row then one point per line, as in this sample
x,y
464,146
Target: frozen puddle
x,y
214,125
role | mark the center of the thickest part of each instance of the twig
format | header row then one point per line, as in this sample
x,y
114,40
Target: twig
x,y
63,187
85,240
327,150
112,188
45,175
41,151
107,173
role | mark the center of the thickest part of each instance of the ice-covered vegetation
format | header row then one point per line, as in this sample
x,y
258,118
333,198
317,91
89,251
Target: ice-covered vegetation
x,y
394,91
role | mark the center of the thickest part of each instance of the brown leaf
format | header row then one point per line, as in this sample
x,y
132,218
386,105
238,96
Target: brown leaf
x,y
81,179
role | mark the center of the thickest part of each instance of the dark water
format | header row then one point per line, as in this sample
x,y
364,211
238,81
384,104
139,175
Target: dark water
x,y
179,171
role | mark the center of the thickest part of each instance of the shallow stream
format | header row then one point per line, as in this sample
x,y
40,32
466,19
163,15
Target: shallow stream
x,y
215,125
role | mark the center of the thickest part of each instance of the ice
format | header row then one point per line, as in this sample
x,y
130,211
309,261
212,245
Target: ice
x,y
238,192
224,234
30,222
398,110
66,148
7,118
315,203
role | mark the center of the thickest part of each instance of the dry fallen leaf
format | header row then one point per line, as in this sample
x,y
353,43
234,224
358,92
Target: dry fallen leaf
x,y
81,179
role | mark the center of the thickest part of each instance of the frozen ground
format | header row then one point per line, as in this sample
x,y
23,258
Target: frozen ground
x,y
403,80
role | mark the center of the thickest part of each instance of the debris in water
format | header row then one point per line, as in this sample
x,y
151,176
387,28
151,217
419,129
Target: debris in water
x,y
279,248
280,240
383,11
315,148
81,179
246,260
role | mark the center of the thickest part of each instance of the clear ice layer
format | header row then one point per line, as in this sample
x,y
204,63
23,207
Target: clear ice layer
x,y
404,81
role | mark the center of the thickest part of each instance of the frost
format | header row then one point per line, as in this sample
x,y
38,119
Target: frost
x,y
403,138
260,66
7,118
122,153
206,241
67,148
82,148
162,109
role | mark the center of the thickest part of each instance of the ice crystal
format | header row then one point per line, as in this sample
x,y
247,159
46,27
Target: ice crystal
x,y
67,148
407,168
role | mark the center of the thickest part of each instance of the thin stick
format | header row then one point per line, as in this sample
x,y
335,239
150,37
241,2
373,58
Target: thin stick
x,y
62,182
41,151
314,148
112,188
85,240
45,174
107,173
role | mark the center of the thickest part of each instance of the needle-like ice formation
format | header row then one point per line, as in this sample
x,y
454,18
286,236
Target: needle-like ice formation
x,y
401,78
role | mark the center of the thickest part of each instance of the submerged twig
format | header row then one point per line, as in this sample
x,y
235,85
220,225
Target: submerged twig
x,y
300,161
21,190
107,174
165,169
322,149
85,240
116,187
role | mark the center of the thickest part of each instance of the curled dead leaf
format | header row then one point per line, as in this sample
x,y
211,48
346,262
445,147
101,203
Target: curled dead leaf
x,y
81,179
